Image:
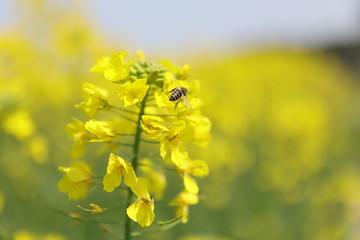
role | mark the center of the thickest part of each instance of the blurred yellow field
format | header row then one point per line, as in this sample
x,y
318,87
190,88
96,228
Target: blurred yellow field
x,y
91,147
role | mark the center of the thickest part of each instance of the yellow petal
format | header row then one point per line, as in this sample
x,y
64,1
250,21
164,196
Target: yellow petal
x,y
190,184
179,156
100,65
183,211
78,190
78,149
64,184
132,93
111,181
79,171
145,215
140,189
75,190
130,177
133,209
198,168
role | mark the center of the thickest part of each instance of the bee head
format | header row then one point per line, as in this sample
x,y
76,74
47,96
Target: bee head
x,y
184,91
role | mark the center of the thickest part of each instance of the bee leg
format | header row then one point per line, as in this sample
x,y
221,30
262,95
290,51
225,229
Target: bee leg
x,y
172,90
177,103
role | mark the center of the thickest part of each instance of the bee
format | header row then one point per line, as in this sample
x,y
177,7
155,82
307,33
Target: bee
x,y
179,93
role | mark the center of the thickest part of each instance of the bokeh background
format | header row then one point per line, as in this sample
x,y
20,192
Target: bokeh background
x,y
280,82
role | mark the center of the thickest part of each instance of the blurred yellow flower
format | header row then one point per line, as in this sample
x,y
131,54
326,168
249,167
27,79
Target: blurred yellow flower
x,y
152,126
182,201
156,179
201,127
53,236
133,92
114,68
38,149
116,169
103,130
142,210
77,132
94,99
76,180
24,235
183,73
19,124
197,168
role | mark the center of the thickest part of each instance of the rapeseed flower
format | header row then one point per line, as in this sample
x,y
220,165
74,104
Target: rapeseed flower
x,y
103,130
201,127
38,149
76,181
153,108
152,126
187,169
77,132
133,92
19,124
182,201
171,146
114,69
116,169
94,99
156,179
142,210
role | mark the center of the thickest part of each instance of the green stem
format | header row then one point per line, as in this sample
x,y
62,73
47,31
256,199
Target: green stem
x,y
122,109
134,162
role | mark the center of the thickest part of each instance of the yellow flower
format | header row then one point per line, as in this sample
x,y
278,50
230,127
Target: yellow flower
x,y
156,178
188,104
162,96
38,149
76,180
162,99
170,143
152,127
183,73
24,235
100,65
118,167
76,131
142,210
94,99
197,168
114,69
201,127
104,130
132,93
19,124
182,201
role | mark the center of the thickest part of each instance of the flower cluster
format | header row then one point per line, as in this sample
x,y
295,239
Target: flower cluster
x,y
161,106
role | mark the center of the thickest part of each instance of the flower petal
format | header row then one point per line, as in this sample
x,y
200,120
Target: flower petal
x,y
190,184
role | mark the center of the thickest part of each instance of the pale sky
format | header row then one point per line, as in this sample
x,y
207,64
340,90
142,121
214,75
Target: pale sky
x,y
196,24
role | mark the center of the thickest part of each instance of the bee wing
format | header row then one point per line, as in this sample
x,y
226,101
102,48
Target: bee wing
x,y
187,103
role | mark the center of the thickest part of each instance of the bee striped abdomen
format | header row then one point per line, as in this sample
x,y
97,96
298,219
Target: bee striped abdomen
x,y
177,93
